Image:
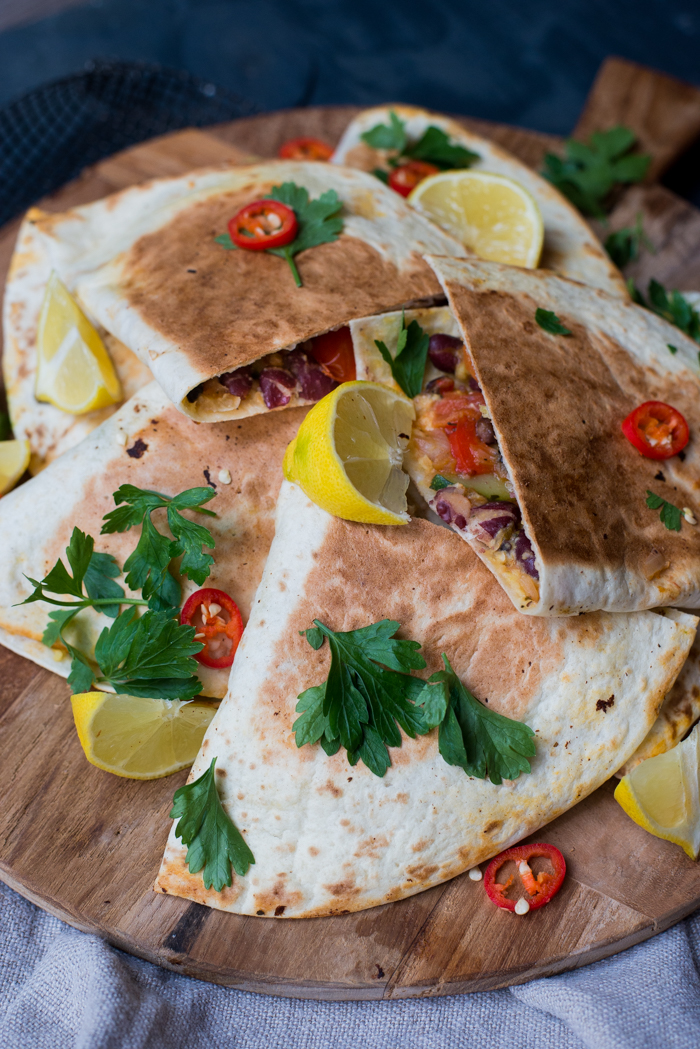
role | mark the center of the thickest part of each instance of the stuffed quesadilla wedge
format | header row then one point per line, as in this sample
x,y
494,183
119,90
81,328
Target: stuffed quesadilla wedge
x,y
49,430
150,445
329,837
156,267
525,457
570,246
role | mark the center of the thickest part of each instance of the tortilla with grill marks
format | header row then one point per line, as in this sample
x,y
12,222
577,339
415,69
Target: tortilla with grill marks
x,y
330,838
149,444
556,403
570,246
146,265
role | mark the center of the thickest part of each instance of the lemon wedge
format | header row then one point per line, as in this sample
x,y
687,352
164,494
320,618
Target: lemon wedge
x,y
493,215
74,370
348,453
662,794
14,460
140,738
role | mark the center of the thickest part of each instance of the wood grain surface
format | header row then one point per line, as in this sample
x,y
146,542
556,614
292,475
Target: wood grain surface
x,y
86,846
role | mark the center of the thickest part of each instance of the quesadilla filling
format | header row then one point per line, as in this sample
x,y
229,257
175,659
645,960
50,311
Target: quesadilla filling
x,y
284,379
455,446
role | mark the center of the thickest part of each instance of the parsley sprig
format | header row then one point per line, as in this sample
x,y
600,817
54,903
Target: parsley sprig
x,y
670,515
370,691
213,841
470,735
549,322
320,222
148,655
589,171
433,147
672,306
408,366
625,245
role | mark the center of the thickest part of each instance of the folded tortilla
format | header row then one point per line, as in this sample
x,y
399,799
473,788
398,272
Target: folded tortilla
x,y
145,263
149,444
49,430
556,404
329,838
570,246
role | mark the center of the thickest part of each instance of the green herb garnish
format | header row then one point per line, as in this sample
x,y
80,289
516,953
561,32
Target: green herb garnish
x,y
368,693
319,222
439,482
433,147
589,171
477,739
625,245
213,841
408,366
5,426
672,348
670,515
549,322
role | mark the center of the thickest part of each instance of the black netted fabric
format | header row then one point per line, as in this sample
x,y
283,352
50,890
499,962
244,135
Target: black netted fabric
x,y
49,135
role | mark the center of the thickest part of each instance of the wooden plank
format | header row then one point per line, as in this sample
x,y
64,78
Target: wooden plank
x,y
663,112
673,227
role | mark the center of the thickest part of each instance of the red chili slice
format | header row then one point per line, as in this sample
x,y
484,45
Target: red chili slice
x,y
218,625
540,888
471,455
305,148
657,430
263,224
335,353
406,177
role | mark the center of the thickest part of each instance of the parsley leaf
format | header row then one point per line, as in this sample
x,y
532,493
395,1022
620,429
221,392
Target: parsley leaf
x,y
147,566
382,175
5,426
624,245
674,307
408,366
225,240
390,137
549,322
439,482
472,736
149,655
433,147
319,221
368,693
670,515
95,572
672,348
213,841
590,170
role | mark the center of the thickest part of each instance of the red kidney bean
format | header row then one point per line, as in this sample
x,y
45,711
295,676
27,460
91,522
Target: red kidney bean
x,y
444,352
276,386
238,383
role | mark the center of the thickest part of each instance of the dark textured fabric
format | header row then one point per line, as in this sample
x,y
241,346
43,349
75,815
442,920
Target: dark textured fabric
x,y
49,135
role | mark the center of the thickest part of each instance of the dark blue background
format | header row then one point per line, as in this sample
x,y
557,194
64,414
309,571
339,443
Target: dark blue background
x,y
527,62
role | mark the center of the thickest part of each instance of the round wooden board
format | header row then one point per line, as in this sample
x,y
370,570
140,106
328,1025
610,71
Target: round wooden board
x,y
86,846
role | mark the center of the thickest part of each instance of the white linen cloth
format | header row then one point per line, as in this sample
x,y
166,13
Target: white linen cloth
x,y
61,989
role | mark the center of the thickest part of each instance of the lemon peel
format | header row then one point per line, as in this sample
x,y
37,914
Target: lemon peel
x,y
14,460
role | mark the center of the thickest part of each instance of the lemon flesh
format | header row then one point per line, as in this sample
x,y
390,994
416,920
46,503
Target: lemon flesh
x,y
348,453
491,214
662,794
140,738
14,460
74,370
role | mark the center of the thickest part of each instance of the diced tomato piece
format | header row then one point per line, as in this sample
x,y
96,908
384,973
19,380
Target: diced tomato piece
x,y
305,148
657,430
406,177
471,455
540,889
335,353
218,625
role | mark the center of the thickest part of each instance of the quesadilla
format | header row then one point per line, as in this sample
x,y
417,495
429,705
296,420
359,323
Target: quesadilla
x,y
147,443
570,246
555,499
49,430
328,837
153,265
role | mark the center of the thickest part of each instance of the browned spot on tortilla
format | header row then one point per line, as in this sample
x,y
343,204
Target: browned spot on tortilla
x,y
422,871
422,844
573,445
343,888
220,317
329,787
372,847
277,896
492,826
402,798
313,851
137,449
603,705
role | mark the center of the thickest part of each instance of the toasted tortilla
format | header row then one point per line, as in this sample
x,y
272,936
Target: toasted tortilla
x,y
570,246
557,403
146,265
49,430
330,838
149,444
